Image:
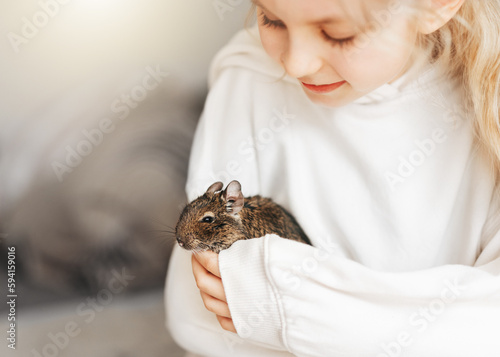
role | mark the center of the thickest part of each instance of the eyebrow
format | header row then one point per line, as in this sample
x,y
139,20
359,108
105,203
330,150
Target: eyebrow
x,y
328,20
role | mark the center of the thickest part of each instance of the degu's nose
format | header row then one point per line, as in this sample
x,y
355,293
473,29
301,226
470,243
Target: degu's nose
x,y
181,243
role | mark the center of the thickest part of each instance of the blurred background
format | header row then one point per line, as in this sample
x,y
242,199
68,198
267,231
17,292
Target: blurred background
x,y
99,100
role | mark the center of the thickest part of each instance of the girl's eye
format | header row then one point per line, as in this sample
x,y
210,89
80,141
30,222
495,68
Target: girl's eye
x,y
207,219
265,21
338,41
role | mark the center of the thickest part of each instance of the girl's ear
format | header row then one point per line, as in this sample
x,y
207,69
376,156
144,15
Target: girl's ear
x,y
439,12
233,197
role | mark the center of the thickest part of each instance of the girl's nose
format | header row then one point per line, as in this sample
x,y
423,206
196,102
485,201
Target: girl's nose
x,y
301,57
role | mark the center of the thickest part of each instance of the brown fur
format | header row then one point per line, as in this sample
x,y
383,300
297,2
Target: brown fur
x,y
234,218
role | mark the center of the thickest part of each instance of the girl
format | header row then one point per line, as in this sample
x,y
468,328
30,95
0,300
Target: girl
x,y
376,123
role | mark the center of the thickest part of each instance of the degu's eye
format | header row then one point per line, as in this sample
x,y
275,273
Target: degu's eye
x,y
208,217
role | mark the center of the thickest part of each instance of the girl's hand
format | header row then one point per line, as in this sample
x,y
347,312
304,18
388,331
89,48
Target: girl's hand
x,y
207,276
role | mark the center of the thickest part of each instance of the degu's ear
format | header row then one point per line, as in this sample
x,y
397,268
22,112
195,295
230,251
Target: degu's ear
x,y
437,14
233,197
217,186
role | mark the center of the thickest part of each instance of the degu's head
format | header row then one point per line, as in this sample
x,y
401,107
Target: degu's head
x,y
212,221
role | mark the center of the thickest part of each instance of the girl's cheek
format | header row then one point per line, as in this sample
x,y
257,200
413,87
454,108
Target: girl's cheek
x,y
378,63
272,43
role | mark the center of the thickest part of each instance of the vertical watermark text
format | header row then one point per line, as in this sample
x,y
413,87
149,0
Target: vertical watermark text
x,y
11,297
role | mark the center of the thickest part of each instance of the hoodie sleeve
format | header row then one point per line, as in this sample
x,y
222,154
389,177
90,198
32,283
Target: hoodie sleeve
x,y
315,302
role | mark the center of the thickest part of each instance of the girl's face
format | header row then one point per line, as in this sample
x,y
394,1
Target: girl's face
x,y
339,50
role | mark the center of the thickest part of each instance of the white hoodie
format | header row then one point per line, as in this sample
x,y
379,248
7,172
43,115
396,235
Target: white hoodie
x,y
396,198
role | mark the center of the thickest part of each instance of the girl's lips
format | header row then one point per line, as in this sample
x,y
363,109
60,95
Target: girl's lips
x,y
325,88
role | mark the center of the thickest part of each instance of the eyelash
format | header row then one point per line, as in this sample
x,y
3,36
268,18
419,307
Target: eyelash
x,y
265,21
339,41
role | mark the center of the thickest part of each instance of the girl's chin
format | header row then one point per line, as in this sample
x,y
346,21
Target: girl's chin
x,y
329,99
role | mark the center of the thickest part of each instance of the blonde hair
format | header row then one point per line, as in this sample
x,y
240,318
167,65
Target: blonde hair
x,y
469,47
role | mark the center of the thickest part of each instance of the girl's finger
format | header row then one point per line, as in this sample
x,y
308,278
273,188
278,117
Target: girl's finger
x,y
216,306
207,282
226,323
209,260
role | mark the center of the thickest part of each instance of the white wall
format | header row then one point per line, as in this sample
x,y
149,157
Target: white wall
x,y
64,61
83,39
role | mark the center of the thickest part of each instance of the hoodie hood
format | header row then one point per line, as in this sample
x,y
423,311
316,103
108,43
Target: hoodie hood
x,y
245,50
